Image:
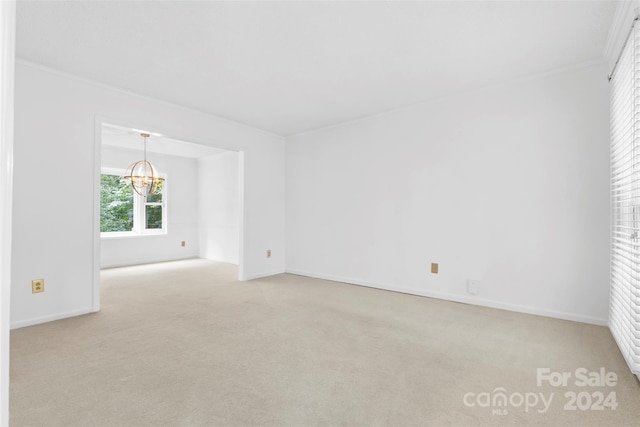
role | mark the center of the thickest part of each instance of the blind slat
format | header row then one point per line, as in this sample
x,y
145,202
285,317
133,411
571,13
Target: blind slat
x,y
624,305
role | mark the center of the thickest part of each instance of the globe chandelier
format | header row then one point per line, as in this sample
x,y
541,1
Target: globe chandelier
x,y
142,175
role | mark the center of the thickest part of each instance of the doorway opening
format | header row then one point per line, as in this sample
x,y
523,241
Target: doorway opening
x,y
197,212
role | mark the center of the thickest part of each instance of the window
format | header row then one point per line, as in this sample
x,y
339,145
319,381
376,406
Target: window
x,y
123,212
624,312
153,209
116,204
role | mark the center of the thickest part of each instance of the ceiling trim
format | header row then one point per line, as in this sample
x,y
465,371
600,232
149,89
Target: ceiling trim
x,y
511,81
506,83
101,85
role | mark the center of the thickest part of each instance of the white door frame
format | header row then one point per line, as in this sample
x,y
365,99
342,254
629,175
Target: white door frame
x,y
7,69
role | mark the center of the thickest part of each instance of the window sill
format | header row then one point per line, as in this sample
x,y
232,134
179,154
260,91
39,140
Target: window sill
x,y
131,235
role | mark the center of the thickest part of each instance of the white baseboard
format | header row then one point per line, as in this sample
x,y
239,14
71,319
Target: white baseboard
x,y
50,318
225,260
130,263
457,298
264,274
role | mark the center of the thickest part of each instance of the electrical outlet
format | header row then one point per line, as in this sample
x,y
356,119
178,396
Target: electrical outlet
x,y
434,267
268,253
473,286
183,243
37,286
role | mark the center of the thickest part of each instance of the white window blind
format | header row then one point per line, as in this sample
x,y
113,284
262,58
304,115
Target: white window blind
x,y
624,310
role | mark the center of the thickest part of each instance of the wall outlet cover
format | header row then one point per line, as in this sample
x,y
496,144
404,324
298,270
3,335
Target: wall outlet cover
x,y
37,286
473,286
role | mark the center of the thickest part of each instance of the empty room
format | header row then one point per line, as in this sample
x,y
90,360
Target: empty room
x,y
319,213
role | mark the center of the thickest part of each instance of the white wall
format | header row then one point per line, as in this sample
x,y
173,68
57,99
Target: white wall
x,y
507,185
181,190
57,119
219,207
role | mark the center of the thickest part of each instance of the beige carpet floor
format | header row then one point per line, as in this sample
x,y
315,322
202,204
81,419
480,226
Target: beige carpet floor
x,y
186,344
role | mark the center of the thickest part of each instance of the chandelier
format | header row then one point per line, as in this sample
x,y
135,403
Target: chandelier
x,y
142,175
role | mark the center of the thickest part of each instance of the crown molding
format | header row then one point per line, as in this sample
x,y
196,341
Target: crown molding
x,y
98,84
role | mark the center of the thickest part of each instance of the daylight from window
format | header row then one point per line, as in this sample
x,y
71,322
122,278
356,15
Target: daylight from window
x,y
124,212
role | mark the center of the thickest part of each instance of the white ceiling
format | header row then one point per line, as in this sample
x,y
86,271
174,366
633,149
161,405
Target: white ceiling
x,y
289,67
130,139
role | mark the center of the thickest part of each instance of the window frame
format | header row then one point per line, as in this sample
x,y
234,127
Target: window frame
x,y
139,211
